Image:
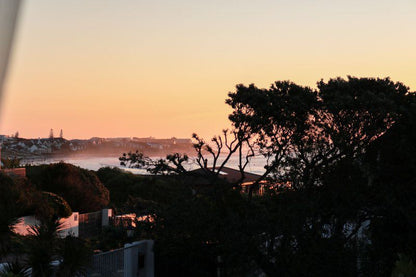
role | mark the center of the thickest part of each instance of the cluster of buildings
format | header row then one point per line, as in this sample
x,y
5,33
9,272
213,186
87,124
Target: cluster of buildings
x,y
27,148
18,146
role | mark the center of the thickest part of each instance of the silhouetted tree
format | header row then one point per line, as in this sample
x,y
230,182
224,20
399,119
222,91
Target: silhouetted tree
x,y
347,151
221,147
304,131
44,246
320,142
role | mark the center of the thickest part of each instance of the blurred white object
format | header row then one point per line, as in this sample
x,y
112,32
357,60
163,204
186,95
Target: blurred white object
x,y
8,17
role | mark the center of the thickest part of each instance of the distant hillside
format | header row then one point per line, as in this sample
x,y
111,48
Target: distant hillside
x,y
43,147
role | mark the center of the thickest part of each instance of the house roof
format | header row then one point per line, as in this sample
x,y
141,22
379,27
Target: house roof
x,y
229,174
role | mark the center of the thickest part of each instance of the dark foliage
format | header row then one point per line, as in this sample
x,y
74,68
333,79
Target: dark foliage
x,y
75,257
50,205
11,162
133,193
348,152
192,233
346,149
44,245
79,187
17,198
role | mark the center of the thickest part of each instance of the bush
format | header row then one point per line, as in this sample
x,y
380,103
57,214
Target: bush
x,y
81,188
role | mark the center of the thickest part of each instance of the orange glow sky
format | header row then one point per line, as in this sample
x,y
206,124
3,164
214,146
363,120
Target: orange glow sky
x,y
141,68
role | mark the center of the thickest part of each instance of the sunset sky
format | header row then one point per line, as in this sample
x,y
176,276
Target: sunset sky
x,y
112,68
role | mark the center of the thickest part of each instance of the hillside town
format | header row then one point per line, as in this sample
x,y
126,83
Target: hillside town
x,y
13,146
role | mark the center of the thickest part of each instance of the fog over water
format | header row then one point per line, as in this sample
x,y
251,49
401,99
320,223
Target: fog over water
x,y
94,163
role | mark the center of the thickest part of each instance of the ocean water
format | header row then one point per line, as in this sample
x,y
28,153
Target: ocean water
x,y
256,164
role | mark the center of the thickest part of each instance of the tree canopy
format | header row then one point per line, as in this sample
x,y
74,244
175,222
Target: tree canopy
x,y
306,131
81,188
347,150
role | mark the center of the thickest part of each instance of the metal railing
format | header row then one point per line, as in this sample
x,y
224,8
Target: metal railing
x,y
108,264
134,259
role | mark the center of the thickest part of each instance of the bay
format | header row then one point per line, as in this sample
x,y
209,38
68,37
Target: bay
x,y
256,164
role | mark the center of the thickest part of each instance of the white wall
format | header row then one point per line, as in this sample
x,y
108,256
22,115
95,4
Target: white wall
x,y
131,257
70,225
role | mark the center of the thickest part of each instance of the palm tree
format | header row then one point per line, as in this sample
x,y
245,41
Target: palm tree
x,y
42,247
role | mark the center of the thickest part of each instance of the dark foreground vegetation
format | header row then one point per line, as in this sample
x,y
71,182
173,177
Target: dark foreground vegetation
x,y
346,156
18,197
341,197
